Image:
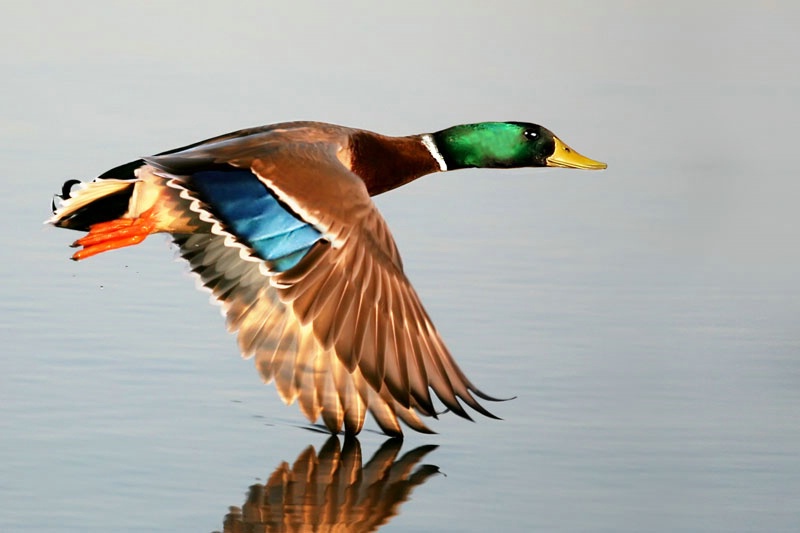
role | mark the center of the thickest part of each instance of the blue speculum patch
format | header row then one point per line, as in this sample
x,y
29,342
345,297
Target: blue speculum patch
x,y
249,211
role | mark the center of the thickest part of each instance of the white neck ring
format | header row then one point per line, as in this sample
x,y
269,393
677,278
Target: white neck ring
x,y
430,144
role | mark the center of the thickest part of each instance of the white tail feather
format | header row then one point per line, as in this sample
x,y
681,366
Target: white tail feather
x,y
84,194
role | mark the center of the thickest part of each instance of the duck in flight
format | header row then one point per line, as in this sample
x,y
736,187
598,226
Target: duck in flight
x,y
277,222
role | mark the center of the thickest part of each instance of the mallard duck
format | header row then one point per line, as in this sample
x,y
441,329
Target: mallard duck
x,y
277,222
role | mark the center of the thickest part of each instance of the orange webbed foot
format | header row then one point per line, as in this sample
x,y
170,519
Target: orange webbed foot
x,y
114,234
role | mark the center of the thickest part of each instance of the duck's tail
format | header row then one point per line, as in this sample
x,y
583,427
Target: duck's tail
x,y
110,208
81,205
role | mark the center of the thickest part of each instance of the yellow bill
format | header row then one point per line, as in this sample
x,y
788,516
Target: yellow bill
x,y
566,157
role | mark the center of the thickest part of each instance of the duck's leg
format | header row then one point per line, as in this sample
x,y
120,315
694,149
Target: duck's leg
x,y
114,234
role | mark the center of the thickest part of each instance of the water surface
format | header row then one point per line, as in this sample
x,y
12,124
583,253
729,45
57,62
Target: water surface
x,y
645,317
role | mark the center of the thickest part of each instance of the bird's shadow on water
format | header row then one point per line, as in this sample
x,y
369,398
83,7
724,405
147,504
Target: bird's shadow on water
x,y
330,489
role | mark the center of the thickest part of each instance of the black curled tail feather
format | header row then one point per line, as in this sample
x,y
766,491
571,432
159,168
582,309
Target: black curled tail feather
x,y
66,190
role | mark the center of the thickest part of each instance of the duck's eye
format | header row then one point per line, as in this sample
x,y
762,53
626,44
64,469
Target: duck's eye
x,y
531,134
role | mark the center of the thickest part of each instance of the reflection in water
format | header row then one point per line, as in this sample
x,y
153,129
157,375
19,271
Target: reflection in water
x,y
331,491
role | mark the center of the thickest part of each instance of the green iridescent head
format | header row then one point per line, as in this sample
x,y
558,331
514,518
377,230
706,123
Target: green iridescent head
x,y
507,145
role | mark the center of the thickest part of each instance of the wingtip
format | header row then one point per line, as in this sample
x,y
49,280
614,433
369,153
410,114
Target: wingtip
x,y
483,396
426,430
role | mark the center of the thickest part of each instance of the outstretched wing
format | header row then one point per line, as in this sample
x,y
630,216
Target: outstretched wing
x,y
330,316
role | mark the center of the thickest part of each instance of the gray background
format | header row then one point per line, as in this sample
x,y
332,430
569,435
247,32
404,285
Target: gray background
x,y
645,317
